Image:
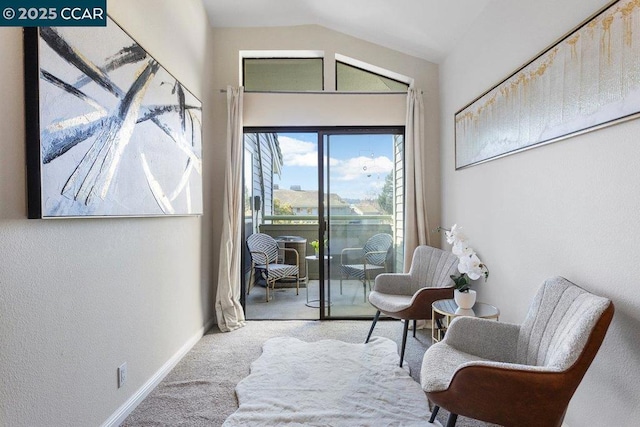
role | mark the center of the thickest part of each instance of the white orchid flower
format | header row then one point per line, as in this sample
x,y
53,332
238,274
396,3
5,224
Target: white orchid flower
x,y
455,235
461,248
471,266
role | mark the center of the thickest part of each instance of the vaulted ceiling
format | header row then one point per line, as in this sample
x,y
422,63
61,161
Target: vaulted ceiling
x,y
427,29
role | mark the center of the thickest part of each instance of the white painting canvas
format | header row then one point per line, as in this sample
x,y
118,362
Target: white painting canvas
x,y
118,135
589,79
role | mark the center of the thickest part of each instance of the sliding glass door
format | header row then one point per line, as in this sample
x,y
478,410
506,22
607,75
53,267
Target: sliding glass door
x,y
363,202
336,196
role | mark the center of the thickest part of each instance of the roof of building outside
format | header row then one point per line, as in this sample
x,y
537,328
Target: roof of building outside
x,y
305,199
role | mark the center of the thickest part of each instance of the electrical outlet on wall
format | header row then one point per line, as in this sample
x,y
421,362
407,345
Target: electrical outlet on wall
x,y
122,374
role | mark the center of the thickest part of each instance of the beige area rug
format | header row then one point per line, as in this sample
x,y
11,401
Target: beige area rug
x,y
329,383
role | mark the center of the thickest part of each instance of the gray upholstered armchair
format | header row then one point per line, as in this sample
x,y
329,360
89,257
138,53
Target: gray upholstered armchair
x,y
518,375
409,296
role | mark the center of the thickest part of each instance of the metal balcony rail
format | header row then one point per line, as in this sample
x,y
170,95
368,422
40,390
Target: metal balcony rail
x,y
313,219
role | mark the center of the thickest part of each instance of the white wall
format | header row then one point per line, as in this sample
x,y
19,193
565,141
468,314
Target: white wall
x,y
569,208
321,109
79,297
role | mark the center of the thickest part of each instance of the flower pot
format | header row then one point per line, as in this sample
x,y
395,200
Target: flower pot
x,y
465,300
465,312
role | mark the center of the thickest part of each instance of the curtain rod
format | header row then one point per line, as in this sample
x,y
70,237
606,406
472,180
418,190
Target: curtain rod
x,y
318,92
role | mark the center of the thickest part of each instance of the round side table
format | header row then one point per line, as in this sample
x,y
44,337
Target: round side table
x,y
449,310
315,303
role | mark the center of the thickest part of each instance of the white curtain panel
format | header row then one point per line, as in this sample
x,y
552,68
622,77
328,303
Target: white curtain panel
x,y
416,223
229,313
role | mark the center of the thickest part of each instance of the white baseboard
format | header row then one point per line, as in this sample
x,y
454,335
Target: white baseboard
x,y
123,411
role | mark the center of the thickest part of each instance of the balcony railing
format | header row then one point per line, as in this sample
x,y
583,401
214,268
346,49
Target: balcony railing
x,y
345,231
313,219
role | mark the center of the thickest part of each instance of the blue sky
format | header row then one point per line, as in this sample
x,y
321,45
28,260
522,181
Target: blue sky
x,y
358,163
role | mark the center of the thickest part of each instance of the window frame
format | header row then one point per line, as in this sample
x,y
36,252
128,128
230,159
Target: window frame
x,y
370,68
283,54
369,72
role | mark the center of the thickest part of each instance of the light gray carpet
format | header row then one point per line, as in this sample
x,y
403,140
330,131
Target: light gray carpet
x,y
200,390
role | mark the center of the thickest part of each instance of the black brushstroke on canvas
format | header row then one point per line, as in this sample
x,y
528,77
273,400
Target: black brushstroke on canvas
x,y
158,110
181,102
59,142
126,56
192,121
63,141
88,179
47,76
67,139
137,85
177,89
62,48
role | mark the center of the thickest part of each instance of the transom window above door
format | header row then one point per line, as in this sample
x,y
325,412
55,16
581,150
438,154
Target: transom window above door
x,y
283,74
304,71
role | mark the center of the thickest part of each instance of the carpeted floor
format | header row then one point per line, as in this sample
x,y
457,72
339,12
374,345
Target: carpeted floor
x,y
200,390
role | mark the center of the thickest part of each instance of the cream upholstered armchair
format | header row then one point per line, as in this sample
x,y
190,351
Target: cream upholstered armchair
x,y
518,375
409,296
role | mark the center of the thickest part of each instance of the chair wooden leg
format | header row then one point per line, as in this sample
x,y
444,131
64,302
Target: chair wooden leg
x,y
415,326
404,340
434,414
251,279
298,284
451,421
373,325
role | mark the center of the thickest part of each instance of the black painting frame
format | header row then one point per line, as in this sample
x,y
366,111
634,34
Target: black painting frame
x,y
188,113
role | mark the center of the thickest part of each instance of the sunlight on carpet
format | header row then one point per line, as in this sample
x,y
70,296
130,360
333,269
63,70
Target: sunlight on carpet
x,y
329,382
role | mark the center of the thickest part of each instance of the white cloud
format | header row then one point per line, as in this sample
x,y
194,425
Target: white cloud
x,y
361,167
298,153
360,177
363,188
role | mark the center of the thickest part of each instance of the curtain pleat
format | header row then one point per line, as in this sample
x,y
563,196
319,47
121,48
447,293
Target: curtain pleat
x,y
416,223
229,313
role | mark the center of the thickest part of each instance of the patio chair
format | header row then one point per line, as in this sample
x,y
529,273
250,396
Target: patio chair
x,y
366,262
266,262
518,374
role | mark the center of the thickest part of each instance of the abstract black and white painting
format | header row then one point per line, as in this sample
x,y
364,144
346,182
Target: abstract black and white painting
x,y
110,132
